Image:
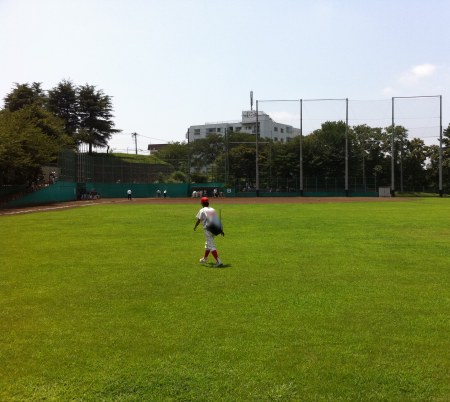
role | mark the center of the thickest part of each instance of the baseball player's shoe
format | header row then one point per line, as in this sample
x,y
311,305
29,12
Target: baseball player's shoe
x,y
203,260
218,264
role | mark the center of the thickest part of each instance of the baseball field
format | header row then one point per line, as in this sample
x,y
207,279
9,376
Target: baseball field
x,y
318,300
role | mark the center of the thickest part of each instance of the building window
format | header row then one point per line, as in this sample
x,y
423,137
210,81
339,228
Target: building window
x,y
237,129
211,130
275,129
218,129
275,138
282,130
196,131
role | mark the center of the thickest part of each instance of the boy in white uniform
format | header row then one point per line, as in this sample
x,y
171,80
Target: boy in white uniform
x,y
205,216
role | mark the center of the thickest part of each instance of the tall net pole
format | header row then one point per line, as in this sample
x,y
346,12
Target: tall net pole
x,y
301,173
441,191
301,147
300,150
346,185
346,148
256,151
392,152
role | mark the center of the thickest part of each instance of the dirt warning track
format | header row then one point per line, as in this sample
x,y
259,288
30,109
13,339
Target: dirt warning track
x,y
222,200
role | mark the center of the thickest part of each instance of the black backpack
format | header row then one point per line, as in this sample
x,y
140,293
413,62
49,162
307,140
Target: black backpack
x,y
215,226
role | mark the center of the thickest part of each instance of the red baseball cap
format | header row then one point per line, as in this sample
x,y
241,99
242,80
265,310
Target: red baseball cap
x,y
204,200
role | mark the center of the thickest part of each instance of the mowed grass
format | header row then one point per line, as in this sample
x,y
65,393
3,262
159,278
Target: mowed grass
x,y
316,302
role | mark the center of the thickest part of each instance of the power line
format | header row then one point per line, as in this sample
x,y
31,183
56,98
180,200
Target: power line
x,y
141,135
153,138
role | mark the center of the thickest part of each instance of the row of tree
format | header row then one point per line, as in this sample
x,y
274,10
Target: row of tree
x,y
36,125
231,158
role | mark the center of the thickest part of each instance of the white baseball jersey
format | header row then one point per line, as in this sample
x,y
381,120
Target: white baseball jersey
x,y
207,215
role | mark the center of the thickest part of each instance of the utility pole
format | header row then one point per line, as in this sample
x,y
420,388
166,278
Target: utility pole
x,y
301,147
135,141
392,152
257,151
441,189
347,193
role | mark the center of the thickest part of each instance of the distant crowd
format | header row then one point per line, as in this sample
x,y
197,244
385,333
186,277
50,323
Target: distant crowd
x,y
204,193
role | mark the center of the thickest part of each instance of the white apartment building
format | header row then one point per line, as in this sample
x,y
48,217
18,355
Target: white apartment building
x,y
267,128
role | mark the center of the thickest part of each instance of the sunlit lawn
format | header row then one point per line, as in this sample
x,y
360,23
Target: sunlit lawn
x,y
334,301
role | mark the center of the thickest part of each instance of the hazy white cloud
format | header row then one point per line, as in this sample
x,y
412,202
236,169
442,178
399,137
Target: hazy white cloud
x,y
424,78
417,73
284,116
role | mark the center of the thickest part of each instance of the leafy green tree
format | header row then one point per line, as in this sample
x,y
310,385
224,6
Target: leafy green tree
x,y
23,95
361,137
414,163
199,178
446,157
177,177
205,151
432,170
30,138
95,117
400,145
324,150
63,102
177,154
242,159
285,162
370,147
446,152
35,127
446,140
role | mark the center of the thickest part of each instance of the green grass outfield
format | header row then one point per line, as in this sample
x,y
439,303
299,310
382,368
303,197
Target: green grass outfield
x,y
316,302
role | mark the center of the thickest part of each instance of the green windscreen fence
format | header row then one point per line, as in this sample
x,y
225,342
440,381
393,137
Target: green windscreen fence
x,y
110,168
58,192
83,176
63,191
70,191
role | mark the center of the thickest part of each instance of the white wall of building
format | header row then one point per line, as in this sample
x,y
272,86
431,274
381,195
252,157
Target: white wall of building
x,y
268,128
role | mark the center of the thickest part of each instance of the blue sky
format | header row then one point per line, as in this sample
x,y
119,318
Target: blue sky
x,y
169,64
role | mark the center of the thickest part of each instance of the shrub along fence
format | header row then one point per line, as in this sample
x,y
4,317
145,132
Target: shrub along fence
x,y
63,191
